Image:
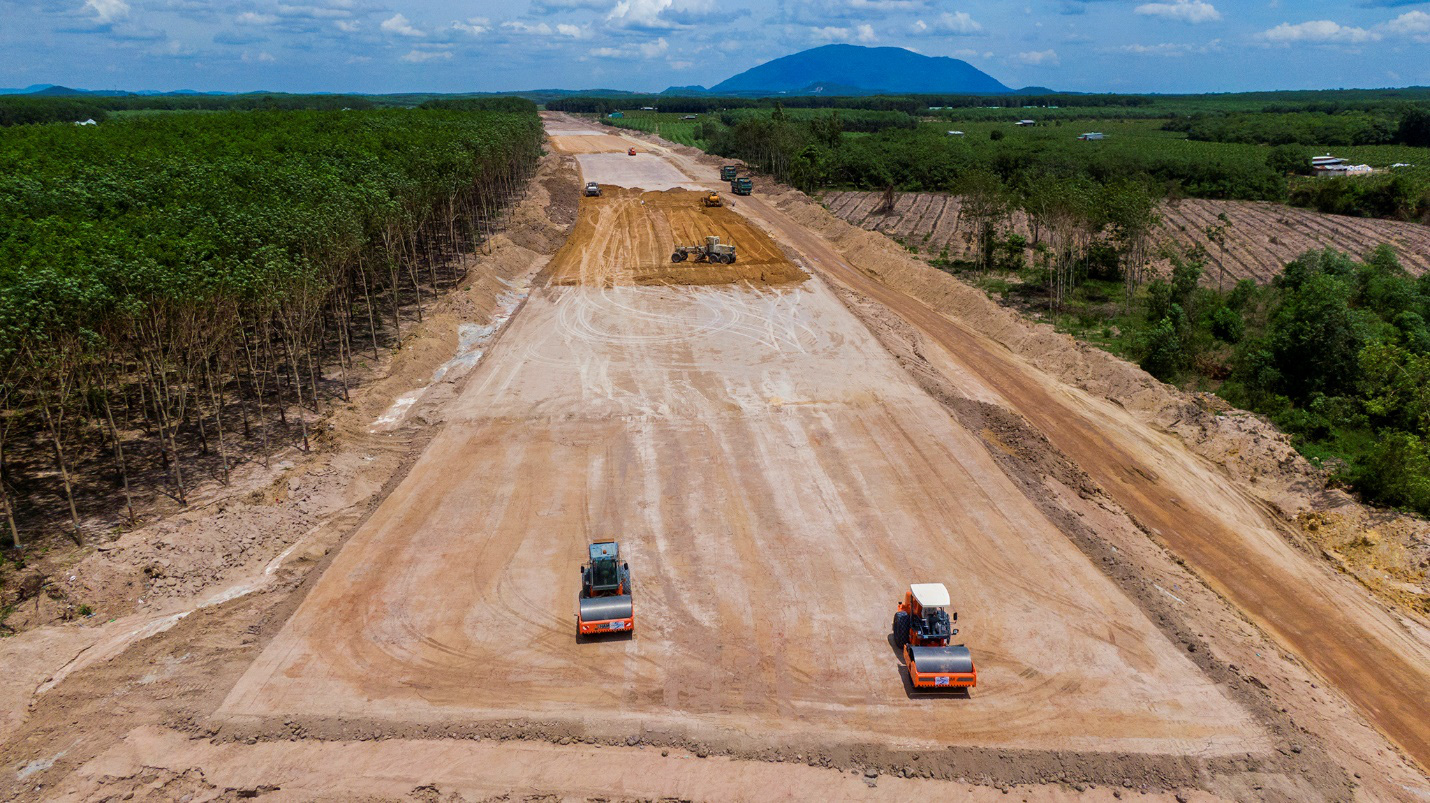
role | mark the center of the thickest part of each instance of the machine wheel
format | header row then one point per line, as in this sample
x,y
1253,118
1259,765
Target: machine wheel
x,y
677,257
901,629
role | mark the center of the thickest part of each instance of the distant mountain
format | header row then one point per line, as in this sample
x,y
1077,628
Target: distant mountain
x,y
865,69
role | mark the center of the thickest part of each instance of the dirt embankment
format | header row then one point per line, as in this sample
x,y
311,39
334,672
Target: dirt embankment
x,y
1388,553
1257,240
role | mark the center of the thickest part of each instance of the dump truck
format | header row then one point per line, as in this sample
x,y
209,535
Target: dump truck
x,y
728,172
923,629
709,251
712,199
605,605
593,190
742,186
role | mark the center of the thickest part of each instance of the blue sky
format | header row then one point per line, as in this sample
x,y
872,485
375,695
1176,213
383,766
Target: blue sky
x,y
481,45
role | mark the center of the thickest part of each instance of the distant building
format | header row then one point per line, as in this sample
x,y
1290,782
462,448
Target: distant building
x,y
1092,136
955,133
1026,122
688,117
647,108
615,115
90,121
1332,166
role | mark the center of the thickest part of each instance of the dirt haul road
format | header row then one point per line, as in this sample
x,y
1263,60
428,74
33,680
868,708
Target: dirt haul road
x,y
775,480
1381,664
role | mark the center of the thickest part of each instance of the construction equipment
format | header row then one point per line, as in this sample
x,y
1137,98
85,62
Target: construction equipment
x,y
604,605
742,186
593,190
631,152
922,630
709,251
728,172
712,199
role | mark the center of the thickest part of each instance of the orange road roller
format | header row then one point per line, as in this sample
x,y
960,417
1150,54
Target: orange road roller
x,y
604,605
922,630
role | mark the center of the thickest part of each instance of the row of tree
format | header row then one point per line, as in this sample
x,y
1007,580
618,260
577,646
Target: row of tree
x,y
179,291
1409,125
31,109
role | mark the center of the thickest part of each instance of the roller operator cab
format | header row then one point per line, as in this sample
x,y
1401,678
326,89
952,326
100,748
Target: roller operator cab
x,y
605,605
593,190
923,629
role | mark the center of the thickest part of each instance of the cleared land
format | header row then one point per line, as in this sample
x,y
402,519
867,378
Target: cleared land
x,y
1260,237
626,237
778,460
776,479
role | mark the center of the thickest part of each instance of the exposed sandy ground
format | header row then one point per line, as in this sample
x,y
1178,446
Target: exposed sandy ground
x,y
1374,658
1213,521
626,237
775,480
642,170
400,769
589,142
1260,237
778,464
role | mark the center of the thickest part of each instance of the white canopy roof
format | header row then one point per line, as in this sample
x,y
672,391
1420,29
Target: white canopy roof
x,y
930,595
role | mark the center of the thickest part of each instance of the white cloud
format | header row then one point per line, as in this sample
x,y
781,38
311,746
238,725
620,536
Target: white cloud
x,y
662,15
1318,31
475,26
542,29
107,10
832,33
653,49
1172,48
1192,11
348,26
261,57
401,26
252,18
958,23
889,5
1039,58
419,56
1415,24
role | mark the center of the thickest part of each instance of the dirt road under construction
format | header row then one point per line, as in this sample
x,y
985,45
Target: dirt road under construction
x,y
781,445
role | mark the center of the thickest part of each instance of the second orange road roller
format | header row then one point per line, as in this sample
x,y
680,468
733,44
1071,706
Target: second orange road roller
x,y
923,629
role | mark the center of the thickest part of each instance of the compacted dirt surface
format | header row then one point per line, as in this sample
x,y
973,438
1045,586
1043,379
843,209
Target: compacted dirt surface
x,y
780,446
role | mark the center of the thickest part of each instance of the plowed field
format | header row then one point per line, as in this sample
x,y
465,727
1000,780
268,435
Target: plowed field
x,y
1260,237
